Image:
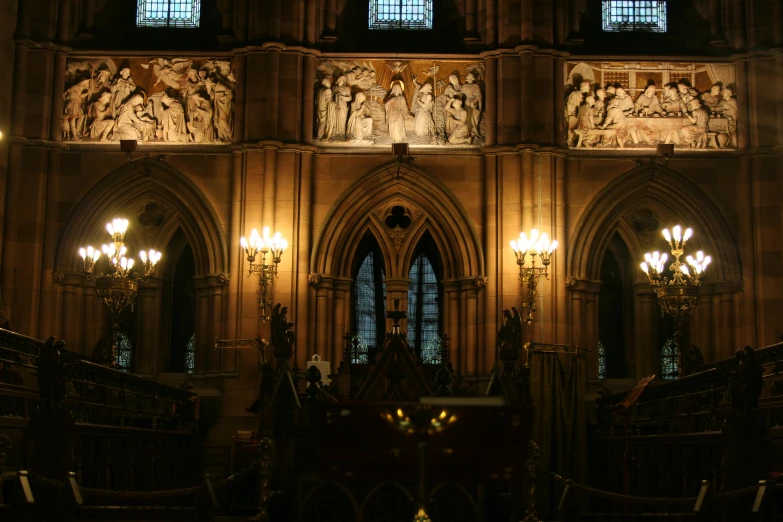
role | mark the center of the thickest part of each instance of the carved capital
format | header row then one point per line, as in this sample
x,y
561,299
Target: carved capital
x,y
313,279
480,282
57,277
223,278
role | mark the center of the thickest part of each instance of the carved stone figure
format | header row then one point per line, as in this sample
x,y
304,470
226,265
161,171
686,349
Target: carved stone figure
x,y
326,109
396,110
342,95
282,335
599,111
200,119
647,103
360,122
423,103
473,104
132,123
671,103
175,129
509,337
713,97
100,112
224,111
728,109
586,121
456,124
624,102
74,109
121,88
204,95
695,135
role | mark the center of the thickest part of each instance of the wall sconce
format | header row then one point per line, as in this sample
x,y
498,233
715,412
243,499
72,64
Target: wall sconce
x,y
533,246
264,245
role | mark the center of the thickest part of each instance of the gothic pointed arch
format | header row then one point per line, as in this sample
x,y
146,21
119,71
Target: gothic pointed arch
x,y
134,188
665,194
446,220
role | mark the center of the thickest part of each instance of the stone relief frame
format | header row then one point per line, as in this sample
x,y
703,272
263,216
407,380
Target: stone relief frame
x,y
637,105
150,100
376,102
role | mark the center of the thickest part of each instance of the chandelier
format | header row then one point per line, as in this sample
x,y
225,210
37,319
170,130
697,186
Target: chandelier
x,y
677,294
264,244
531,247
117,288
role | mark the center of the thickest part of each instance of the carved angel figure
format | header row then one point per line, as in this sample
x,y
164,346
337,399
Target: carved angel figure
x,y
396,67
174,73
509,337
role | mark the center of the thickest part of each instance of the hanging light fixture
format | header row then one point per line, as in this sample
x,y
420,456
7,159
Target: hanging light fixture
x,y
118,286
678,294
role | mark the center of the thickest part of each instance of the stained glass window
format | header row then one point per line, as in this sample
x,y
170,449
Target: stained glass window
x,y
124,352
360,354
190,354
168,13
369,304
601,361
423,313
634,15
669,359
400,14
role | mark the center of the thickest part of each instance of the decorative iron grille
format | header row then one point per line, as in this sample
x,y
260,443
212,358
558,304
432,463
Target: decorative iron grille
x,y
601,361
400,14
634,15
168,13
190,355
124,352
669,360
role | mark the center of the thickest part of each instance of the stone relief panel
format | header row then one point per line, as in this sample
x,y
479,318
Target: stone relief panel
x,y
622,105
378,102
160,100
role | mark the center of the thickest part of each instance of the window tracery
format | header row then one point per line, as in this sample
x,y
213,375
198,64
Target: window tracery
x,y
168,13
634,15
400,14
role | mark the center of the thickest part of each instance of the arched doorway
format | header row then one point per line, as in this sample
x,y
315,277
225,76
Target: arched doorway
x,y
404,208
164,208
616,228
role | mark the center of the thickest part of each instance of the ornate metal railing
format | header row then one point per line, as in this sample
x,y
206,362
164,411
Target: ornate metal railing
x,y
694,403
95,394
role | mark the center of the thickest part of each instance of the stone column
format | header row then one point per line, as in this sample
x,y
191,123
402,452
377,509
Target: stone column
x,y
307,98
323,306
56,122
236,278
240,63
743,103
470,294
64,21
576,294
716,29
342,320
302,225
702,326
330,21
270,180
88,17
272,111
147,338
311,19
68,329
471,34
452,321
203,342
491,24
648,360
492,252
526,19
739,23
490,113
217,285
